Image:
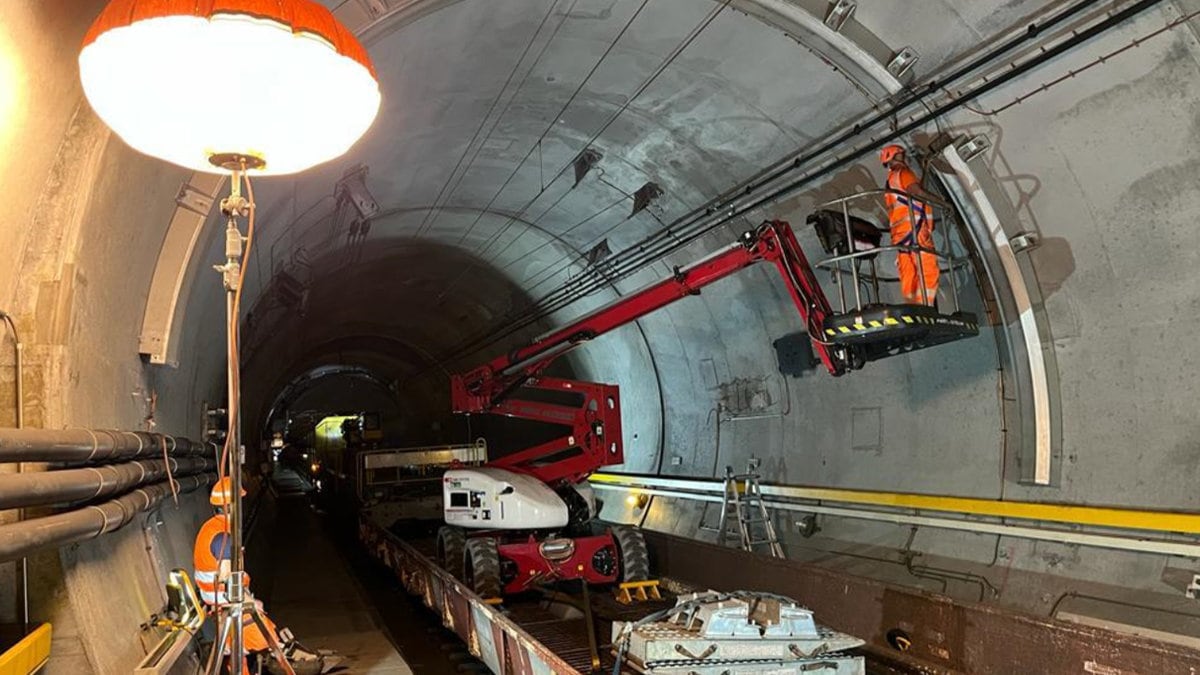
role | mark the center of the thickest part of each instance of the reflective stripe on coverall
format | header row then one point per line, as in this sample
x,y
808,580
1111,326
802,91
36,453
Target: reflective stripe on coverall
x,y
212,547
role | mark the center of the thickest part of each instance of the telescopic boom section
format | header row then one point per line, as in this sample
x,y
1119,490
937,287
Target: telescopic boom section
x,y
483,389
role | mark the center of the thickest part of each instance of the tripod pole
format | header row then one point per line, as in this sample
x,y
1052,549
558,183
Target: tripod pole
x,y
233,206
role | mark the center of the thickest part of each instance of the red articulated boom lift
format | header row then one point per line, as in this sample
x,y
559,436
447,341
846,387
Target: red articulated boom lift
x,y
531,513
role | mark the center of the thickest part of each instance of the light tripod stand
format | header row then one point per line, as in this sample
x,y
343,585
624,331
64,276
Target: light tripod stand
x,y
231,614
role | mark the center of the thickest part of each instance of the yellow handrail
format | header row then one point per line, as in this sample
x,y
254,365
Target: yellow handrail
x,y
29,655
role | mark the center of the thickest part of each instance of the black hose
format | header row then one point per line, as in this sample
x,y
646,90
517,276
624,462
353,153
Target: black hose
x,y
89,445
21,490
25,537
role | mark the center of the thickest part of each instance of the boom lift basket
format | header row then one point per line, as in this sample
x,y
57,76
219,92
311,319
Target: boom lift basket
x,y
877,328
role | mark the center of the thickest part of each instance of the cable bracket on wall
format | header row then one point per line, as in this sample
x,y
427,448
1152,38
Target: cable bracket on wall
x,y
839,13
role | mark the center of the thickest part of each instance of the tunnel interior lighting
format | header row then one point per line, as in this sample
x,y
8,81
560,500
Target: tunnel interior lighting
x,y
280,85
12,83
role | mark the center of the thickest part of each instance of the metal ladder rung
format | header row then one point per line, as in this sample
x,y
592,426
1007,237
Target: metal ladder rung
x,y
743,494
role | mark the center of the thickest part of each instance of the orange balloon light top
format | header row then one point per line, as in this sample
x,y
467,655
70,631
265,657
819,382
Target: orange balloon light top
x,y
302,16
303,88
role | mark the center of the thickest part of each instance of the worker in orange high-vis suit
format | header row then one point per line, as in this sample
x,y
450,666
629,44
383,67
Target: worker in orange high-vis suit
x,y
212,567
911,223
211,558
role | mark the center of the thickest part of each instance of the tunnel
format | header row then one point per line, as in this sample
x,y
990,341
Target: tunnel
x,y
1017,497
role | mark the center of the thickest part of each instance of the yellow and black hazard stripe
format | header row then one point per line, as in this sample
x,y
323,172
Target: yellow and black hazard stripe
x,y
843,326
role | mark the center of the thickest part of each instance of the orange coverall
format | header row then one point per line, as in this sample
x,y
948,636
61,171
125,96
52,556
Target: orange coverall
x,y
212,547
912,225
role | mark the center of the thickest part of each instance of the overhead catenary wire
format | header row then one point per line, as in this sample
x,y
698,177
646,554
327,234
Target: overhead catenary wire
x,y
565,261
500,231
909,97
1098,61
605,209
554,120
666,62
483,122
742,200
670,58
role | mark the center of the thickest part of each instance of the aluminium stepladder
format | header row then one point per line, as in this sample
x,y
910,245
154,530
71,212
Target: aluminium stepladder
x,y
743,502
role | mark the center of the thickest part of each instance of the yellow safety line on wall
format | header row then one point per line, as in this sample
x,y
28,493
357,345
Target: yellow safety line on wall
x,y
1098,516
28,655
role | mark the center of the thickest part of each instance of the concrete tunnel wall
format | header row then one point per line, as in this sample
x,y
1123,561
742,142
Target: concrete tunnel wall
x,y
1100,166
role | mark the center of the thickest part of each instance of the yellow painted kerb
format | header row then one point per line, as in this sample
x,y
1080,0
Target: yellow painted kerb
x,y
1098,516
29,655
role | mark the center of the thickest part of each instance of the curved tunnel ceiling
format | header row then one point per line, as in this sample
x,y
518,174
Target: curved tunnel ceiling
x,y
485,107
485,104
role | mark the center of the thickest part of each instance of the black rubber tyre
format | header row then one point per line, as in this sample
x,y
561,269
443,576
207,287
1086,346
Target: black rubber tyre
x,y
635,558
481,567
450,544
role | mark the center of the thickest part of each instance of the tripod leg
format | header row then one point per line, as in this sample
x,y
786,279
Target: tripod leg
x,y
216,656
273,644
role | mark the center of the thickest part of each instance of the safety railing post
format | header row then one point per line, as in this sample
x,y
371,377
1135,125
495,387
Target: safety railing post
x,y
875,279
837,279
852,257
850,249
951,269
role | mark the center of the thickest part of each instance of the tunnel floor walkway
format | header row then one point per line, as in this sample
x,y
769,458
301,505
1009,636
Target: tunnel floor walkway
x,y
306,585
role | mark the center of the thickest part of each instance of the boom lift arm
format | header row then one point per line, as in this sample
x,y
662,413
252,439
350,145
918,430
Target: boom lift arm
x,y
596,422
483,388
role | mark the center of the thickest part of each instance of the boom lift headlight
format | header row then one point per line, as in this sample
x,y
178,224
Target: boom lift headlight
x,y
557,549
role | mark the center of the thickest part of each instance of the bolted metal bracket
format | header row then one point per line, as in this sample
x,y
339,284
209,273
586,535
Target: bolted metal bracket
x,y
973,147
902,62
584,163
352,188
213,423
235,206
1024,241
598,252
194,199
376,8
645,196
839,13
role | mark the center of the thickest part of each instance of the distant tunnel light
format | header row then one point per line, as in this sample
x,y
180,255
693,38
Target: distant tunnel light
x,y
187,81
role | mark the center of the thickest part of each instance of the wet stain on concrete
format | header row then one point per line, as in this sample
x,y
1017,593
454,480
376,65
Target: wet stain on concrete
x,y
1054,262
1160,84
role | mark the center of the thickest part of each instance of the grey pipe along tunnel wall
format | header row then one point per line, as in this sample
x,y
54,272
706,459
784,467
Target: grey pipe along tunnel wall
x,y
472,213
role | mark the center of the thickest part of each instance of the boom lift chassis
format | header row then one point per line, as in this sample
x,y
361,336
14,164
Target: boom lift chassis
x,y
513,385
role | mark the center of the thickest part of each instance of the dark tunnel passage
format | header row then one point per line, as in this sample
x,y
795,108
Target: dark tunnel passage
x,y
367,335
